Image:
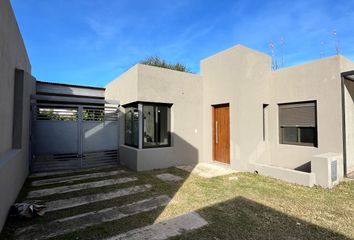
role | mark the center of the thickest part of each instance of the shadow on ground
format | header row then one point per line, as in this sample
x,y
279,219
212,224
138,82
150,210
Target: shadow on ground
x,y
241,218
236,218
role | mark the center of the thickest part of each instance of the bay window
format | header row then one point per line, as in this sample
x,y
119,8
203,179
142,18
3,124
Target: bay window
x,y
154,124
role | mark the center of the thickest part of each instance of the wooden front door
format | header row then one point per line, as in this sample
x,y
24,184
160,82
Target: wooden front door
x,y
221,133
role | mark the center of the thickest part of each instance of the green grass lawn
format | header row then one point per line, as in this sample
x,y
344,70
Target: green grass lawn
x,y
252,207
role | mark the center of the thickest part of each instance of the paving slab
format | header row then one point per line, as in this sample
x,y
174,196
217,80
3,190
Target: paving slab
x,y
165,229
69,179
78,187
82,221
168,177
53,173
208,170
84,200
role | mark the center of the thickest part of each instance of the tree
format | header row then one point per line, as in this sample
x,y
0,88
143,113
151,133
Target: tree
x,y
158,62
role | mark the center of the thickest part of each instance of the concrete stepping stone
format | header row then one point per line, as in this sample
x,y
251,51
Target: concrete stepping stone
x,y
48,174
75,178
84,200
168,177
165,229
78,187
208,170
82,221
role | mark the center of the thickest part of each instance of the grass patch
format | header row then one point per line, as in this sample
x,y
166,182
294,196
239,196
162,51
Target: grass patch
x,y
252,207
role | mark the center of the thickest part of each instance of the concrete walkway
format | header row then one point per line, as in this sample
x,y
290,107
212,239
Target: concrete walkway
x,y
168,177
82,221
208,170
165,229
74,178
84,200
78,171
100,208
78,187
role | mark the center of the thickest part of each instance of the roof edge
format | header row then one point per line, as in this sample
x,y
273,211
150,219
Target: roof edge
x,y
70,85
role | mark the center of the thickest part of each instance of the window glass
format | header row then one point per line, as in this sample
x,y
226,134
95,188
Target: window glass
x,y
156,125
307,135
290,134
149,126
132,126
162,125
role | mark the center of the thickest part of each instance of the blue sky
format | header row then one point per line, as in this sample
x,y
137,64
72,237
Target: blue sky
x,y
91,42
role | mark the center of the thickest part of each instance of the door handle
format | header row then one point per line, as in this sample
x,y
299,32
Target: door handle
x,y
216,133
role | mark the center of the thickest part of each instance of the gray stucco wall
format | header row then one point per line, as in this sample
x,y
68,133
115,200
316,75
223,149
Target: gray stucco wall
x,y
243,78
318,80
125,89
238,76
13,162
184,90
153,84
13,55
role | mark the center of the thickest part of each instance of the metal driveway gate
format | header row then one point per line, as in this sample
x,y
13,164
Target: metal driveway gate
x,y
73,136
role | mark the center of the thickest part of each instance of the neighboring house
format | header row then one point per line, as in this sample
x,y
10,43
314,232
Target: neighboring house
x,y
295,123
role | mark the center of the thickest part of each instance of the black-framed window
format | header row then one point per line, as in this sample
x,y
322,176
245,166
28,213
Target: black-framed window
x,y
132,125
298,123
156,125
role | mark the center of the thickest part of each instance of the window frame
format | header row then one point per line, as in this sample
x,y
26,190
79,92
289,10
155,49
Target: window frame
x,y
132,121
140,106
265,114
155,105
298,127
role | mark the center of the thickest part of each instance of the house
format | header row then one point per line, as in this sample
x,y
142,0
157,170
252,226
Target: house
x,y
294,123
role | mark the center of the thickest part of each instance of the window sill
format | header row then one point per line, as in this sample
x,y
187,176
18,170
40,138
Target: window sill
x,y
159,146
299,145
130,146
146,148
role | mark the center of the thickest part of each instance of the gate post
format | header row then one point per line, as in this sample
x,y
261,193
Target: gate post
x,y
80,133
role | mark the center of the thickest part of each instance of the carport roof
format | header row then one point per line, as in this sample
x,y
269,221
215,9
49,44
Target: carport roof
x,y
70,85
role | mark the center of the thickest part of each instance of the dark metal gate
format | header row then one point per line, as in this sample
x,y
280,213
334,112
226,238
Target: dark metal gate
x,y
70,136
